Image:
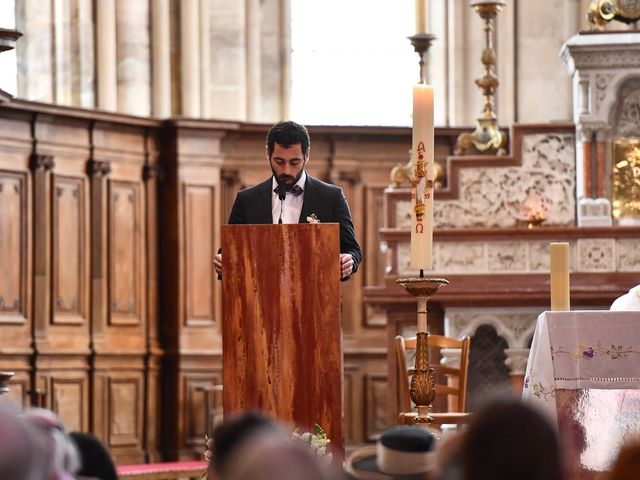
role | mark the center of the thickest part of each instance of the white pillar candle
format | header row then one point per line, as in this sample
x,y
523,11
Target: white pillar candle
x,y
559,263
423,177
421,16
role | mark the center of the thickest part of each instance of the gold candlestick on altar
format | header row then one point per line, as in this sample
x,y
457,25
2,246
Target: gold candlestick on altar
x,y
422,390
486,138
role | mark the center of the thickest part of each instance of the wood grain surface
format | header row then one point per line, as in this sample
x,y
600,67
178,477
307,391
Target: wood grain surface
x,y
281,331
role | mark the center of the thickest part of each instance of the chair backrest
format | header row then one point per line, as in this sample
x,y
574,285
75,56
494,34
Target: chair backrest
x,y
455,377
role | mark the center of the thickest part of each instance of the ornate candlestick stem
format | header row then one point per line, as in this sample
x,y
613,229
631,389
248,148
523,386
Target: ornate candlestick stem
x,y
487,136
422,390
421,43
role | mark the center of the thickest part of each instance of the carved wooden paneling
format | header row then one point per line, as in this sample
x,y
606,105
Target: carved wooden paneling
x,y
67,395
199,224
69,245
124,412
13,247
126,260
64,389
377,392
350,403
195,408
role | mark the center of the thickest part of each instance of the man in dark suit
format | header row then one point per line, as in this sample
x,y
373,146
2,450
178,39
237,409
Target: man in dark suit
x,y
306,200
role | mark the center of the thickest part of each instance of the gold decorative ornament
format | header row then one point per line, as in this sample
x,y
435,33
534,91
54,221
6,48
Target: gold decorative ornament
x,y
626,180
487,137
422,388
603,11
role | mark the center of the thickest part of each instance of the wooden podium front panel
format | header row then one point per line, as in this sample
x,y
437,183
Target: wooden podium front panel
x,y
281,330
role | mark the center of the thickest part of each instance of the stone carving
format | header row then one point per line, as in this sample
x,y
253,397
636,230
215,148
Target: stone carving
x,y
603,80
507,256
403,214
627,123
515,326
628,255
492,197
596,255
517,360
624,59
461,257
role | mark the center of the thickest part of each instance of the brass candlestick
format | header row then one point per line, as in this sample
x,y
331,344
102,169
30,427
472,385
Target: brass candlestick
x,y
421,43
422,390
486,138
401,173
8,39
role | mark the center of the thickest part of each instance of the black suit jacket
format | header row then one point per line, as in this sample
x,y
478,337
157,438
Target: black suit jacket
x,y
253,205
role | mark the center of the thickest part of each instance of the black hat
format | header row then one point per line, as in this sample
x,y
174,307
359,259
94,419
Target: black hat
x,y
402,452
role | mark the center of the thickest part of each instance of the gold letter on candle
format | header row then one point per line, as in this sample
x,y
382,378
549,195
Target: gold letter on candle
x,y
559,262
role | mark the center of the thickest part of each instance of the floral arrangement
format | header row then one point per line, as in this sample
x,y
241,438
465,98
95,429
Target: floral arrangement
x,y
317,441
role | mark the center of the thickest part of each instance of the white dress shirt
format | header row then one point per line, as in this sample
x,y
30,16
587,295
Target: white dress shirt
x,y
292,204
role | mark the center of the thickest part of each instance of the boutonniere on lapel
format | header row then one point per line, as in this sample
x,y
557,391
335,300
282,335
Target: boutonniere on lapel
x,y
313,218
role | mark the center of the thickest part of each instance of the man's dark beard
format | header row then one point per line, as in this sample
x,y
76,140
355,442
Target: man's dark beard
x,y
283,178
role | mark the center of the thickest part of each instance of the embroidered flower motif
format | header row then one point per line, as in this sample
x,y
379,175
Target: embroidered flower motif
x,y
313,218
542,393
588,353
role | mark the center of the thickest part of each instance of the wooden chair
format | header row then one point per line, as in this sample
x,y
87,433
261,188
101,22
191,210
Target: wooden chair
x,y
456,379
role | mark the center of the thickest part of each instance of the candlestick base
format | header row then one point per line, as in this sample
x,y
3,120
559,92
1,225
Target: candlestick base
x,y
422,389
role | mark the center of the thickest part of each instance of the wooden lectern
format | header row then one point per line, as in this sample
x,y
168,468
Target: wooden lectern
x,y
281,329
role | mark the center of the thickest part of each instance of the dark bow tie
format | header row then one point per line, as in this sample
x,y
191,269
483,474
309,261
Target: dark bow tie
x,y
295,189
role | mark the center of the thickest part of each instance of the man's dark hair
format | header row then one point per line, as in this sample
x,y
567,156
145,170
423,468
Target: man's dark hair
x,y
232,433
288,134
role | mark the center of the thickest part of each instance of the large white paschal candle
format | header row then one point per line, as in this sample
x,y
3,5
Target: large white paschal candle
x,y
422,178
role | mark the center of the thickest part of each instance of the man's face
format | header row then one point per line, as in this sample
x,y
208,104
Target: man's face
x,y
287,164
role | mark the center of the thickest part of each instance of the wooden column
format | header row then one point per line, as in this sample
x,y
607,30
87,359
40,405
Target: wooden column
x,y
41,166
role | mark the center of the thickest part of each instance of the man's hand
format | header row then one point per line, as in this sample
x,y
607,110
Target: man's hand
x,y
346,265
217,263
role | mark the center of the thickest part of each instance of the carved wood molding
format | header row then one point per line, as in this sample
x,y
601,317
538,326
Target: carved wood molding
x,y
150,172
39,161
354,177
96,168
229,177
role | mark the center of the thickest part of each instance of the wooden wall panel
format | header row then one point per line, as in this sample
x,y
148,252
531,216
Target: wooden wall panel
x,y
126,257
66,395
124,412
200,223
14,218
70,250
62,385
195,411
376,390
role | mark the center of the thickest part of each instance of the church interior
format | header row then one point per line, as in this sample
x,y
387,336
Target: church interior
x,y
127,127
